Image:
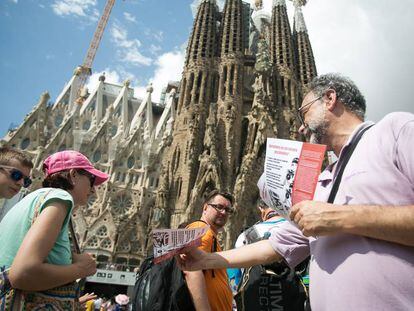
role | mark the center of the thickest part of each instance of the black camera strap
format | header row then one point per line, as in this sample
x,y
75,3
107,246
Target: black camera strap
x,y
344,161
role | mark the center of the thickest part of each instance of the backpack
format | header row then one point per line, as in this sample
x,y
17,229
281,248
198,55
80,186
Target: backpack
x,y
271,287
162,287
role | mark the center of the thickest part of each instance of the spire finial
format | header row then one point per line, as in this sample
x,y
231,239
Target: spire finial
x,y
150,89
299,21
299,3
258,4
279,3
102,77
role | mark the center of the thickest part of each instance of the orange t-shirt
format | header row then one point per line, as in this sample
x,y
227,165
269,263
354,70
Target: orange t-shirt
x,y
219,293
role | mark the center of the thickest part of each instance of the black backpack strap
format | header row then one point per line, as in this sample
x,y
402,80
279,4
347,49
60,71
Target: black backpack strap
x,y
344,161
252,235
214,249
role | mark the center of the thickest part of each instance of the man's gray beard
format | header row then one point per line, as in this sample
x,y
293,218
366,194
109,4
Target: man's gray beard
x,y
318,129
317,136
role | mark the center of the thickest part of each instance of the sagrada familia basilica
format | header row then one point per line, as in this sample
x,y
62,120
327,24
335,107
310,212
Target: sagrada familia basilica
x,y
244,76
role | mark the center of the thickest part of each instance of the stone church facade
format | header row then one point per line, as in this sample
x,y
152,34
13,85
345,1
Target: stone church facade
x,y
242,82
244,76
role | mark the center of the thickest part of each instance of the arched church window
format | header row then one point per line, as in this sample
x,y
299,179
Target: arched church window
x,y
97,156
102,232
58,120
93,242
114,130
91,201
134,262
136,247
124,247
121,260
106,243
102,258
131,162
86,125
25,143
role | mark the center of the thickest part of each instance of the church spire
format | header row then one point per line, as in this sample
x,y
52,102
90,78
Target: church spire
x,y
281,50
203,38
306,68
299,21
279,3
230,90
232,29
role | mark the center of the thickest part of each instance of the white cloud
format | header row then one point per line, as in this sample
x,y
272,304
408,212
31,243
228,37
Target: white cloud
x,y
364,41
129,17
155,34
154,49
158,35
111,76
128,49
140,91
169,68
134,57
116,76
76,8
14,1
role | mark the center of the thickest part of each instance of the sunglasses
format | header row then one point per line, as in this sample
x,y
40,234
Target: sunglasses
x,y
91,177
221,208
17,175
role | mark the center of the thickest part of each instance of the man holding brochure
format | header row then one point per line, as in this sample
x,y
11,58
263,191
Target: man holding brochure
x,y
362,243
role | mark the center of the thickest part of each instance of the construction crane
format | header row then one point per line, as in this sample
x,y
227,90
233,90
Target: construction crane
x,y
85,70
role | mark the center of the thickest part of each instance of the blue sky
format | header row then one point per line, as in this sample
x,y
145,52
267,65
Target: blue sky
x,y
42,42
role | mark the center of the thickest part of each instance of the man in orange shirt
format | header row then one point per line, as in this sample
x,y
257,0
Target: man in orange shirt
x,y
210,289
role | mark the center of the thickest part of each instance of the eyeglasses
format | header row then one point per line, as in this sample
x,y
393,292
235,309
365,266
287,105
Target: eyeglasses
x,y
91,177
17,175
300,113
221,208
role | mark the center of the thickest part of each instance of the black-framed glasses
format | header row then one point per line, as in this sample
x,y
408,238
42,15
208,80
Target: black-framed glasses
x,y
300,113
221,208
91,177
17,175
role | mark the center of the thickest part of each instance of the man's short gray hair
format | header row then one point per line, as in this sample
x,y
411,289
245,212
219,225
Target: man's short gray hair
x,y
346,91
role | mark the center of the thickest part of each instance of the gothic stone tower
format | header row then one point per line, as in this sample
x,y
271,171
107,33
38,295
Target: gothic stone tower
x,y
233,95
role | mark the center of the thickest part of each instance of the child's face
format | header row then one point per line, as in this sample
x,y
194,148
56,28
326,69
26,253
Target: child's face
x,y
9,187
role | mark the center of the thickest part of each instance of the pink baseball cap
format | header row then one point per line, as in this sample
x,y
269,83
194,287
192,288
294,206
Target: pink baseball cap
x,y
65,160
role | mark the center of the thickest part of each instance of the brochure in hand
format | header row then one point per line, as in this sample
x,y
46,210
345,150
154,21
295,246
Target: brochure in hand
x,y
291,173
168,242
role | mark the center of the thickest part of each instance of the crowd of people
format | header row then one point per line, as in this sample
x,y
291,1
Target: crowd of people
x,y
119,302
358,231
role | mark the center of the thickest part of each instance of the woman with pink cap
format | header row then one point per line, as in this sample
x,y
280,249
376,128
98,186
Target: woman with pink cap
x,y
34,235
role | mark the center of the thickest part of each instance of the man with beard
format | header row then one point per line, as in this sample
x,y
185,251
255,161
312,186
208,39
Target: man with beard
x,y
362,244
210,289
